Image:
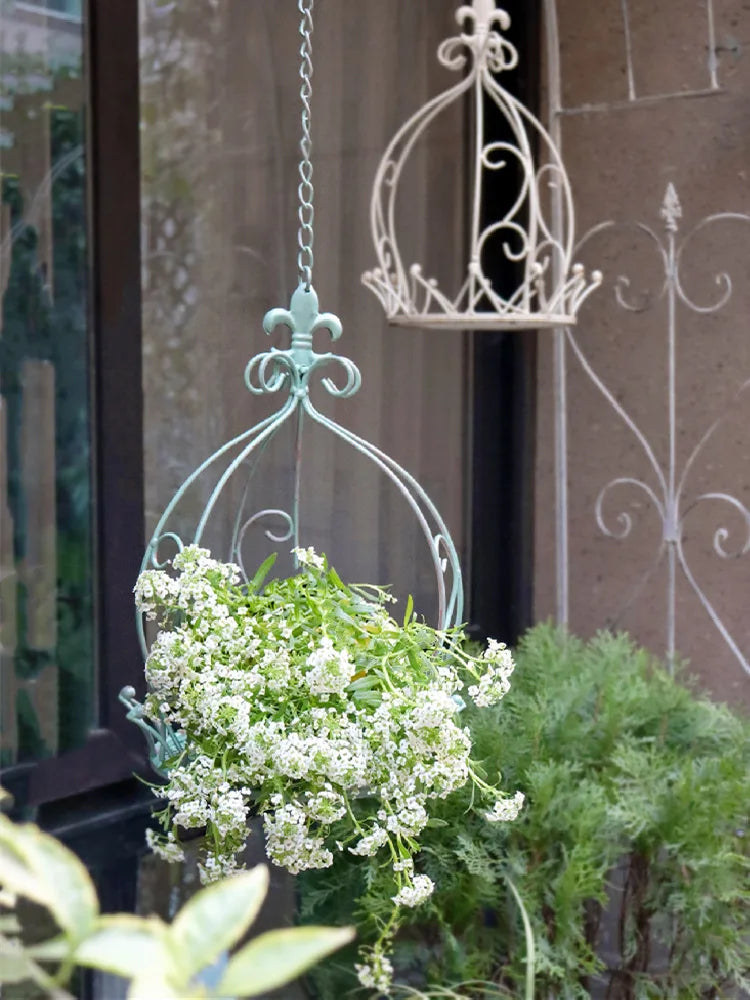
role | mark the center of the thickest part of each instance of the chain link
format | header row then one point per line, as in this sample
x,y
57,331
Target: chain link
x,y
305,190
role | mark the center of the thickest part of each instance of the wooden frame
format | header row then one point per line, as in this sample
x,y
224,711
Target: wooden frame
x,y
114,749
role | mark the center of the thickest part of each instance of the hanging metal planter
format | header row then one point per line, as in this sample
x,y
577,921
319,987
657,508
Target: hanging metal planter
x,y
230,470
302,699
535,236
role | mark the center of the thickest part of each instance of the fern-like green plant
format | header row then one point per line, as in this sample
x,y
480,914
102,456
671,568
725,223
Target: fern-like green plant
x,y
631,856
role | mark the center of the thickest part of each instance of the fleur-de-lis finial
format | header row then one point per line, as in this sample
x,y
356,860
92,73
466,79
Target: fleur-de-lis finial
x,y
671,209
485,16
484,9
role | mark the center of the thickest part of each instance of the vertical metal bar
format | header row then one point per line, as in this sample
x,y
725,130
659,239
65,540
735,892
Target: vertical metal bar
x,y
671,527
562,603
297,479
713,62
628,49
554,107
476,209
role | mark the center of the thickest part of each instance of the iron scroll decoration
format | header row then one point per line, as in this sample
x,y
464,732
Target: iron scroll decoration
x,y
289,372
664,489
535,236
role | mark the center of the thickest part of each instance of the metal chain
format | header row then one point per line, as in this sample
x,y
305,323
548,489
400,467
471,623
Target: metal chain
x,y
305,190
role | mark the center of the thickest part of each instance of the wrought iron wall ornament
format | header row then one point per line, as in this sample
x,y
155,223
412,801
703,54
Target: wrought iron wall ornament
x,y
288,372
666,487
536,233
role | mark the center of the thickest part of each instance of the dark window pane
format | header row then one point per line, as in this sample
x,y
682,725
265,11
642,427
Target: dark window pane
x,y
46,570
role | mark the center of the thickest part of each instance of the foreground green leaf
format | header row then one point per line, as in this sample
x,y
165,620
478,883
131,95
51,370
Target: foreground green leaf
x,y
54,876
129,946
278,957
216,918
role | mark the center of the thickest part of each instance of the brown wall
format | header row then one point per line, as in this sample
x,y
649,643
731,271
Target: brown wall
x,y
621,157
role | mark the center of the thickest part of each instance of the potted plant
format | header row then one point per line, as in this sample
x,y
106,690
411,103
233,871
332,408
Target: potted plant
x,y
304,700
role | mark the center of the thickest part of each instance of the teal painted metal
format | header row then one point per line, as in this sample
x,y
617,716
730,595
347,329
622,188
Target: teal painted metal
x,y
289,371
164,744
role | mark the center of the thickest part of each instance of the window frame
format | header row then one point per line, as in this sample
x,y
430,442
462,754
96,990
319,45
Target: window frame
x,y
502,414
114,750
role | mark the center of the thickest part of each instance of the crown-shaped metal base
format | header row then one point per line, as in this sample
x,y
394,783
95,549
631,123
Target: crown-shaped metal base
x,y
532,241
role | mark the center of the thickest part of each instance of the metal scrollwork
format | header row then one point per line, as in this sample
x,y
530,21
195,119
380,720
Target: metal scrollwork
x,y
285,534
536,231
164,744
290,371
667,490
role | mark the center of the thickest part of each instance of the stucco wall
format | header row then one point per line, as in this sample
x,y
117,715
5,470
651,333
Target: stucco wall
x,y
621,157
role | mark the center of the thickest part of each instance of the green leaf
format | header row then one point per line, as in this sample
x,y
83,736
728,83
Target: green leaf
x,y
67,888
54,950
15,875
9,924
409,610
15,965
152,986
367,697
530,943
128,946
365,683
216,918
278,957
261,573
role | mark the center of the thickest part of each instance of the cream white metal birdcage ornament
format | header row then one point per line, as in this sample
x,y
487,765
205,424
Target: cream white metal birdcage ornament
x,y
535,236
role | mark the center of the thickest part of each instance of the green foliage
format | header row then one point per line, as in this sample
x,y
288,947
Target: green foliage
x,y
309,703
631,856
160,961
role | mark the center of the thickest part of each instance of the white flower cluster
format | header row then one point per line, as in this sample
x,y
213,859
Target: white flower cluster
x,y
494,682
309,557
377,973
416,893
308,701
506,810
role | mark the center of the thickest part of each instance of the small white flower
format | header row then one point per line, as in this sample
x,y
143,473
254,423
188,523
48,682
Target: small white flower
x,y
377,974
268,676
506,810
369,845
216,867
412,895
167,848
309,557
404,865
494,683
329,670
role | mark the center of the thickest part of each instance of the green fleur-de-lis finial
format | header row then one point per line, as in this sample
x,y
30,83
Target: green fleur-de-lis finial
x,y
274,369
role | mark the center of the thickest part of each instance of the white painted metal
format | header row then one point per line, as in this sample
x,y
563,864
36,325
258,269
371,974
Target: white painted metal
x,y
666,487
536,234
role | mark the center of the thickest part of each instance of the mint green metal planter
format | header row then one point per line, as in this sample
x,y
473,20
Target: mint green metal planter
x,y
289,373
